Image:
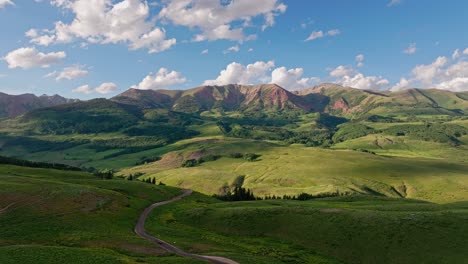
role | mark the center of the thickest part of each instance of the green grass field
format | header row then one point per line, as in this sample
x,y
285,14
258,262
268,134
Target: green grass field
x,y
54,216
294,169
359,229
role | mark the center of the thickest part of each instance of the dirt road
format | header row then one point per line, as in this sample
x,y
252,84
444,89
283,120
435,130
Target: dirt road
x,y
140,230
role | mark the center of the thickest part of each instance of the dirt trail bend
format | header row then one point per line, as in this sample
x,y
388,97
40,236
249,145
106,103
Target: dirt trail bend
x,y
140,230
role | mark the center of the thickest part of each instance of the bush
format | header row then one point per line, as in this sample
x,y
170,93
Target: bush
x,y
190,163
105,174
251,156
351,131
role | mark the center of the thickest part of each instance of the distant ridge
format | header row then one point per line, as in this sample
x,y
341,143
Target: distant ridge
x,y
15,105
327,97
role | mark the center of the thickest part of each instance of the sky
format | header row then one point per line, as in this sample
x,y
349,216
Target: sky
x,y
99,48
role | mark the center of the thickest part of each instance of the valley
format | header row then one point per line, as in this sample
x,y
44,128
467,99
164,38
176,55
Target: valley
x,y
386,167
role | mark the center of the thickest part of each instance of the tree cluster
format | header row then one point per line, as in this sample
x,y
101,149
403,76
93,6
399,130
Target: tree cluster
x,y
34,164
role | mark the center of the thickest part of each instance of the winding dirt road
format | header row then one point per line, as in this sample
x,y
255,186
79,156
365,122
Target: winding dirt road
x,y
140,230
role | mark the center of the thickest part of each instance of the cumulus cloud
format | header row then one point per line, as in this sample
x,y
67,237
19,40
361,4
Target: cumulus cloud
x,y
342,70
411,49
347,76
216,19
401,85
69,73
162,79
243,74
321,34
204,51
263,72
442,73
4,3
292,79
360,81
465,52
360,60
30,57
103,21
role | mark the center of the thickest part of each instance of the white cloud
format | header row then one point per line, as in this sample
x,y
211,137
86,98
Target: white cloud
x,y
263,72
456,54
401,85
320,34
106,88
232,49
204,51
442,73
342,70
250,50
360,60
465,52
315,35
216,19
240,74
347,76
50,74
394,2
292,79
30,58
69,73
333,32
426,73
4,3
85,89
411,49
163,79
103,21
360,81
458,84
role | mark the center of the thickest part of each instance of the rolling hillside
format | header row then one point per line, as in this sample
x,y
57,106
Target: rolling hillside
x,y
59,216
328,139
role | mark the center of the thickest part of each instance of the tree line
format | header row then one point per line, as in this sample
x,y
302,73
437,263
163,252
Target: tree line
x,y
35,164
243,194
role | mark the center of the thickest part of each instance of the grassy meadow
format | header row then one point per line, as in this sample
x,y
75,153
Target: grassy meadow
x,y
294,169
53,216
355,229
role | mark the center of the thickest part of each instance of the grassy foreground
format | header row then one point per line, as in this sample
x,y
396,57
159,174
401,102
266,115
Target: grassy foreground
x,y
52,216
360,229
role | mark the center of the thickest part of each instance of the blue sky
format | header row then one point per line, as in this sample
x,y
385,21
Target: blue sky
x,y
180,44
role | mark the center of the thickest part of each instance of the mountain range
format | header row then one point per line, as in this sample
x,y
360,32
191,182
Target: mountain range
x,y
324,98
329,98
15,105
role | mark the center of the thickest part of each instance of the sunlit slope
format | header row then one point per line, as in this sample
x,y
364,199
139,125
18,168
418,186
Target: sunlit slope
x,y
294,169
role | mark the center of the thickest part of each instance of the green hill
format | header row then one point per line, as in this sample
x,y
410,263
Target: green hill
x,y
295,169
357,229
63,216
57,216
